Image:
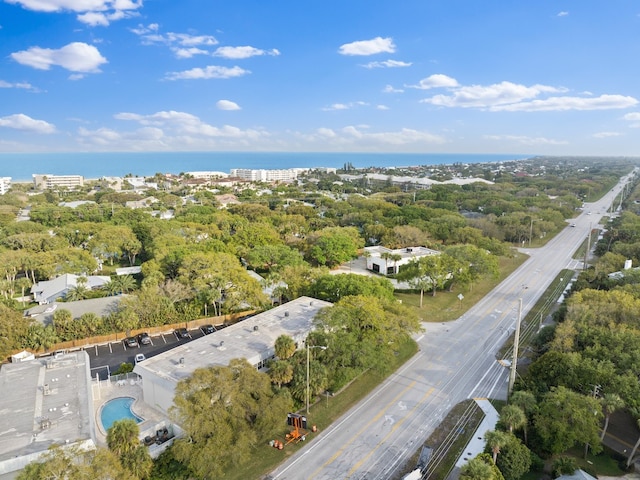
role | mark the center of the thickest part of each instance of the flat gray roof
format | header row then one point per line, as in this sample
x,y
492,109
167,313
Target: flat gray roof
x,y
253,339
100,306
44,402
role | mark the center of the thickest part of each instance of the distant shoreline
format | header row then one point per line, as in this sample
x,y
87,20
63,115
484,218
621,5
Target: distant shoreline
x,y
20,167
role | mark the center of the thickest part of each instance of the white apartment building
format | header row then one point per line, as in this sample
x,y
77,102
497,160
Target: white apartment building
x,y
207,175
53,182
262,175
5,185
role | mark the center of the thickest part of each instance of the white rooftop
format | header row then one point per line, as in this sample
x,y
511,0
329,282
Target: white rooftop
x,y
253,339
44,402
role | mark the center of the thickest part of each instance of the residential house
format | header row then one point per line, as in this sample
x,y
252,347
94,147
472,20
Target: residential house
x,y
50,290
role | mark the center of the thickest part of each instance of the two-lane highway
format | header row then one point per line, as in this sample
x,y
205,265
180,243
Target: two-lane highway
x,y
456,361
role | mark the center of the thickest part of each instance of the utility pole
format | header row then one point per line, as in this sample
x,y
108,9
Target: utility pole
x,y
586,252
516,342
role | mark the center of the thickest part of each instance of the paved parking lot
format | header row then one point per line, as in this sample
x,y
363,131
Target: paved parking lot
x,y
116,353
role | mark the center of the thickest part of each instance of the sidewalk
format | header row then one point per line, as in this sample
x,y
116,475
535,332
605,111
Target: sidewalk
x,y
476,444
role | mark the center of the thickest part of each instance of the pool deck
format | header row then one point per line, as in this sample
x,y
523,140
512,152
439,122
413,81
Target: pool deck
x,y
107,390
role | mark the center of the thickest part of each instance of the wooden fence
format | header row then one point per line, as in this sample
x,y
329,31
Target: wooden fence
x,y
116,337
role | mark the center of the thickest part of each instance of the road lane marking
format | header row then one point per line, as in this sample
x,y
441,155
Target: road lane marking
x,y
393,429
352,439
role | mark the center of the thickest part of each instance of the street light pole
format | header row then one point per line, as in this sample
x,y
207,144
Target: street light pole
x,y
516,342
531,229
309,347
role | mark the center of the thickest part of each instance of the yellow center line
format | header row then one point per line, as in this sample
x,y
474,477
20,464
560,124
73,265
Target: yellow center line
x,y
352,439
393,429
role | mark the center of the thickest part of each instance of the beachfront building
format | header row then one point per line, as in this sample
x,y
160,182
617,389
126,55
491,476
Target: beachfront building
x,y
57,182
261,175
207,175
45,401
5,185
252,339
387,261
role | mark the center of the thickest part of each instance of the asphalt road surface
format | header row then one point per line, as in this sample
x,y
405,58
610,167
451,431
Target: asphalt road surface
x,y
456,361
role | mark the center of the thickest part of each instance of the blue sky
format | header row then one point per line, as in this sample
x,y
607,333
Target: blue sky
x,y
424,76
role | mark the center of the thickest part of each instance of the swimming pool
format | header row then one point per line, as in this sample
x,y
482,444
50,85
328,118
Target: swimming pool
x,y
117,409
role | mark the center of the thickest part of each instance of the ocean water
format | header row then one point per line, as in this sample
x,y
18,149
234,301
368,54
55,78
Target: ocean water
x,y
21,166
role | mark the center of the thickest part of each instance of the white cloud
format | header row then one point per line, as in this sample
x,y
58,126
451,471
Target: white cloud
x,y
227,105
188,40
172,131
101,136
606,134
485,96
243,52
344,106
20,121
337,106
76,57
387,64
185,123
563,14
358,138
382,107
92,12
437,80
183,45
211,71
633,117
391,89
61,5
22,85
525,140
94,19
368,47
189,52
603,102
511,97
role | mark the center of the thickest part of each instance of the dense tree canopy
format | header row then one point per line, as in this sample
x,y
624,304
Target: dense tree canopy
x,y
225,409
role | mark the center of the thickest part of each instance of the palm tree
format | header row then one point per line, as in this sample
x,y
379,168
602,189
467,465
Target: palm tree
x,y
527,402
122,437
138,462
610,403
513,417
280,372
126,283
285,347
111,287
495,441
395,258
79,292
476,469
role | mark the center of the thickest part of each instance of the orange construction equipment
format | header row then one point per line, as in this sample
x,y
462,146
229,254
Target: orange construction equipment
x,y
299,424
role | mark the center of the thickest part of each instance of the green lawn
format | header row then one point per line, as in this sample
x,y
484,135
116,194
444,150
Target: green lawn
x,y
446,306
